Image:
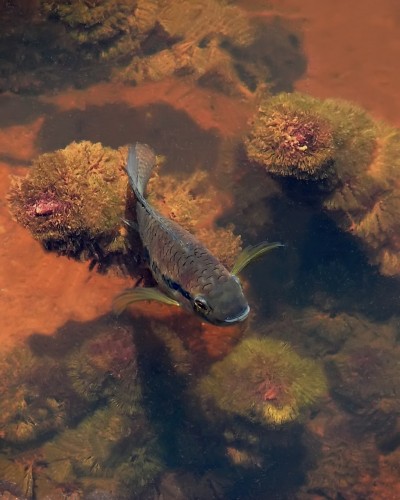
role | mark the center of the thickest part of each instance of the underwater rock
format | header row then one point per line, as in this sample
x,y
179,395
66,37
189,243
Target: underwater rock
x,y
102,29
31,403
345,464
73,200
105,368
350,161
126,40
289,138
264,381
363,378
106,444
186,39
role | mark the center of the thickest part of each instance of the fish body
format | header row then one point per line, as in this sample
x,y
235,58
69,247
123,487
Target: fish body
x,y
184,269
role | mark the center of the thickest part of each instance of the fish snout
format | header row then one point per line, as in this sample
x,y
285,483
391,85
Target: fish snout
x,y
239,317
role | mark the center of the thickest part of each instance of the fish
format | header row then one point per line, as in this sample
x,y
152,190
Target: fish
x,y
187,274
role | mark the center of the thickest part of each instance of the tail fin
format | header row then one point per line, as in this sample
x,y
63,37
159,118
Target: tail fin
x,y
141,162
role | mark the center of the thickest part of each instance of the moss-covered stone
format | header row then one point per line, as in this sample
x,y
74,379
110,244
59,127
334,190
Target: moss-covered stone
x,y
263,380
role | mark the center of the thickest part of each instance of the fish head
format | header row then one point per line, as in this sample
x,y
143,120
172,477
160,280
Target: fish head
x,y
223,304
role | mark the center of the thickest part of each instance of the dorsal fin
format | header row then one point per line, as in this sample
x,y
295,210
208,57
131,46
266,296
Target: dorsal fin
x,y
140,165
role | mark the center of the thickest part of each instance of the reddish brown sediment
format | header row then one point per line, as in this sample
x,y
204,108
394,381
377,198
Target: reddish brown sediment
x,y
203,342
209,109
39,290
18,141
351,49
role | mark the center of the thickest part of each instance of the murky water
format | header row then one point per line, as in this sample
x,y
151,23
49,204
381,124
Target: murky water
x,y
300,401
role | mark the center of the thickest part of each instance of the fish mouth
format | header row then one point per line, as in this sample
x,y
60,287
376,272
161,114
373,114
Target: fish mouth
x,y
240,317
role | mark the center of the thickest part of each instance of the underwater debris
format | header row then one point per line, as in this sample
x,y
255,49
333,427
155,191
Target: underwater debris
x,y
105,367
73,200
264,381
351,160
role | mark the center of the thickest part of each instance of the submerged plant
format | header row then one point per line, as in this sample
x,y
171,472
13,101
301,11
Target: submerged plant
x,y
263,380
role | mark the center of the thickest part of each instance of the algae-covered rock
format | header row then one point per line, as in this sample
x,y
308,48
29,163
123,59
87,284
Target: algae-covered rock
x,y
263,380
32,404
73,200
105,368
352,160
106,444
307,138
102,29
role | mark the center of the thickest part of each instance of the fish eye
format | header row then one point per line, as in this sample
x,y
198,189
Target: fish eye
x,y
200,305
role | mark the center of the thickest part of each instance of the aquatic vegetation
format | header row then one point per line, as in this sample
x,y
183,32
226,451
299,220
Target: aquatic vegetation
x,y
290,139
186,38
320,332
139,470
367,204
346,462
102,29
17,476
105,367
264,381
307,138
106,444
364,377
27,411
133,40
352,158
72,201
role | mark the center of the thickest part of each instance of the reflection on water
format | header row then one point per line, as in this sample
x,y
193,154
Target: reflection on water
x,y
299,402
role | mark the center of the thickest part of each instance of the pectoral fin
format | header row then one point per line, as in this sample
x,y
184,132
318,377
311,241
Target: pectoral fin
x,y
122,301
252,253
130,223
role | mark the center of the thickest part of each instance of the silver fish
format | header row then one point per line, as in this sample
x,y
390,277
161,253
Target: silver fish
x,y
187,274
